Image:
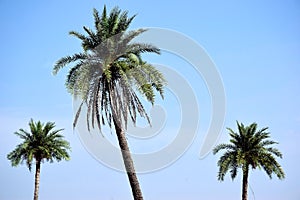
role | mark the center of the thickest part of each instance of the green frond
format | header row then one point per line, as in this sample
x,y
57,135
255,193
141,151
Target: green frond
x,y
130,35
23,134
274,151
97,19
91,34
223,147
104,14
233,170
113,20
137,48
78,35
267,143
241,127
67,60
226,161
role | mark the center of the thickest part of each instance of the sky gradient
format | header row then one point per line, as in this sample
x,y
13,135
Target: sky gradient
x,y
255,46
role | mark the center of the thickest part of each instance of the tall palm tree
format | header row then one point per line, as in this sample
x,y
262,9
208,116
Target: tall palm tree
x,y
107,75
248,147
41,143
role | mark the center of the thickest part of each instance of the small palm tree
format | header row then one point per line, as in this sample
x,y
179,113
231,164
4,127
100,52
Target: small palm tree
x,y
41,143
248,147
107,75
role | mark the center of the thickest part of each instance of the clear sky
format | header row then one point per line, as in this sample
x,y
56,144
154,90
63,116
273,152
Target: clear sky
x,y
255,46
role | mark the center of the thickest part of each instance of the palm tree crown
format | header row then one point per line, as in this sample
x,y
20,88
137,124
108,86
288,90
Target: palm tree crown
x,y
110,70
41,143
249,147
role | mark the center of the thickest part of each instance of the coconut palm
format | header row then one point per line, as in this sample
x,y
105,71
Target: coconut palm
x,y
40,144
248,147
107,76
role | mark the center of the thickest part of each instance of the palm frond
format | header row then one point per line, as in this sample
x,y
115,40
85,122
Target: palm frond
x,y
223,147
67,60
78,35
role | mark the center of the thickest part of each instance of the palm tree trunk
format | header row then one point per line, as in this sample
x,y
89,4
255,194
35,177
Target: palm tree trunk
x,y
37,180
245,183
128,162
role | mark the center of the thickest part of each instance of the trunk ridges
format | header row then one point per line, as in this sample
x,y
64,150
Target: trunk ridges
x,y
128,162
245,184
37,180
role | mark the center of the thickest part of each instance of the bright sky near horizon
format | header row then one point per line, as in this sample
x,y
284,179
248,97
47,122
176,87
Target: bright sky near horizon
x,y
255,46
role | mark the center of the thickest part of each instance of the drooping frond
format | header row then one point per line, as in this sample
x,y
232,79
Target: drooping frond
x,y
227,162
270,165
223,147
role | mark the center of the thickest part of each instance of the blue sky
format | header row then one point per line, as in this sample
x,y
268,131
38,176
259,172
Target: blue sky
x,y
255,46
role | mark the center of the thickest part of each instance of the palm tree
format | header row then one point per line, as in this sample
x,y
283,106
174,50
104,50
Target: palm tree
x,y
107,75
248,147
41,143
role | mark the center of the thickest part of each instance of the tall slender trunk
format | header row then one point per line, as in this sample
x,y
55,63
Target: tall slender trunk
x,y
128,162
37,179
245,183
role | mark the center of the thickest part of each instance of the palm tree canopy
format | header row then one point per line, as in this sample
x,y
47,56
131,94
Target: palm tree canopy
x,y
41,143
110,70
249,147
